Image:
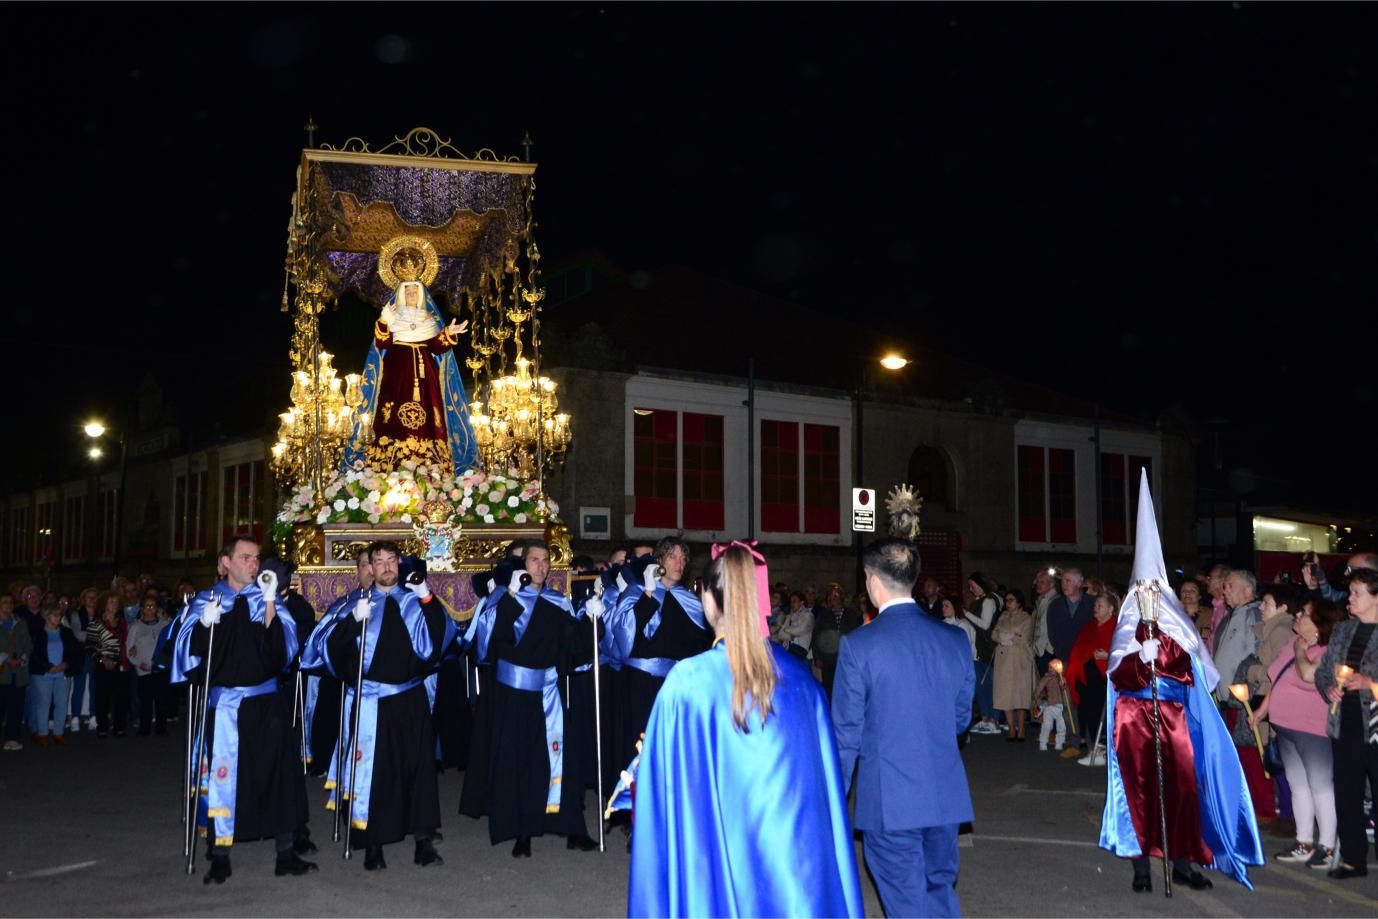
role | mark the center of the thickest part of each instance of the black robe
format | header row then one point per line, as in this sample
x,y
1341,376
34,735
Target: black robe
x,y
519,766
404,795
270,793
677,637
473,797
453,720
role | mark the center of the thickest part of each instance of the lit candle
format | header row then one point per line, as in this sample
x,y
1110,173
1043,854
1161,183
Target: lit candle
x,y
1342,674
1241,692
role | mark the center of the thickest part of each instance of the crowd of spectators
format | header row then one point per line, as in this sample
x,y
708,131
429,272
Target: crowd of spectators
x,y
85,661
1307,652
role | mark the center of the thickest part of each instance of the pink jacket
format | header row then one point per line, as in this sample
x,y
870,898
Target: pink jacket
x,y
1294,703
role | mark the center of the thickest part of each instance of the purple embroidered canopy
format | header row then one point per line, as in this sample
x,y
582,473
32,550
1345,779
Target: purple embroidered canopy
x,y
474,211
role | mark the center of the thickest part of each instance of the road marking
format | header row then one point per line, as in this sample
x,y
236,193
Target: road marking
x,y
1026,790
1036,839
48,872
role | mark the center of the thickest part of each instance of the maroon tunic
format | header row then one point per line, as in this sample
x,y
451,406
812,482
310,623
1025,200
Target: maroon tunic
x,y
1138,764
410,418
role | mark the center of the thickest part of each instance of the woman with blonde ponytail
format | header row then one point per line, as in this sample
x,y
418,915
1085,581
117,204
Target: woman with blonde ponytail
x,y
738,765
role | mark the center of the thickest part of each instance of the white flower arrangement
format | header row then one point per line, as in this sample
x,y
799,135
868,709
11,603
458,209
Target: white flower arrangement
x,y
361,495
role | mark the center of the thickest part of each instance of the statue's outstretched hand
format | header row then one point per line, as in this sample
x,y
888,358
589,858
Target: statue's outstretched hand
x,y
389,315
457,328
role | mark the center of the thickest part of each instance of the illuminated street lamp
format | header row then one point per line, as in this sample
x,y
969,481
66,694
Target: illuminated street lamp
x,y
96,430
893,361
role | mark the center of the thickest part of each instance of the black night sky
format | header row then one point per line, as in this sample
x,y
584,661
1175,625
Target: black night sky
x,y
1148,205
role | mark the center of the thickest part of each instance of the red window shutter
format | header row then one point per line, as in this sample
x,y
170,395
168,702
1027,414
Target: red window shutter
x,y
780,476
822,478
1114,528
654,472
1062,496
703,472
1033,522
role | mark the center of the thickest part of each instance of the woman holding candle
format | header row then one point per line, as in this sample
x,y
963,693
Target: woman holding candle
x,y
1298,716
1352,724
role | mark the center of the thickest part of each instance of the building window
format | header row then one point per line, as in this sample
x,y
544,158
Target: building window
x,y
21,536
822,478
45,520
677,460
109,508
1047,499
188,516
703,471
1119,497
655,461
780,476
74,528
242,510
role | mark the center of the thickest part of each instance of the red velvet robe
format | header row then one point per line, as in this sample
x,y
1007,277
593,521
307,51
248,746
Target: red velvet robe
x,y
410,417
1134,747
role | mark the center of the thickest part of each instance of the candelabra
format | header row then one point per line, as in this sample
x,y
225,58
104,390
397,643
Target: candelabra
x,y
521,427
315,430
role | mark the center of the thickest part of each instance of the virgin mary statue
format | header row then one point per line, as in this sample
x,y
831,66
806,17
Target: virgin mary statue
x,y
411,385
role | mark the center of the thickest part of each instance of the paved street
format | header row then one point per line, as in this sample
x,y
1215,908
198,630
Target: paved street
x,y
93,830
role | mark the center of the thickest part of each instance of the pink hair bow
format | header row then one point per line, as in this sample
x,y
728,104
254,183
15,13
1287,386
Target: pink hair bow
x,y
762,576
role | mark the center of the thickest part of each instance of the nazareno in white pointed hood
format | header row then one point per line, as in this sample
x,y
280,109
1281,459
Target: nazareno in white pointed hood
x,y
1172,619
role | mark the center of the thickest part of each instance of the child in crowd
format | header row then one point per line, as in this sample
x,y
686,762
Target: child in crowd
x,y
1048,697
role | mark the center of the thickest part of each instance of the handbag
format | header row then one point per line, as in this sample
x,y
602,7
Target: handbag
x,y
1272,753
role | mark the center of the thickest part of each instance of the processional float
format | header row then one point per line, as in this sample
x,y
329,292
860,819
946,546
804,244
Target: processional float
x,y
443,439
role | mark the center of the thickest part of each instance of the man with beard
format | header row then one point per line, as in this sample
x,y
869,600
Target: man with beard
x,y
390,787
250,773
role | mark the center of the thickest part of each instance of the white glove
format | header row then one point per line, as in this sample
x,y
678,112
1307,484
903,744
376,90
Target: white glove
x,y
211,612
268,583
515,585
492,586
649,578
421,589
1148,651
362,610
621,584
594,608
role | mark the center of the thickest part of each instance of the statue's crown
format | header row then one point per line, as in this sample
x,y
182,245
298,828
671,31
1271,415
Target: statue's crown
x,y
408,264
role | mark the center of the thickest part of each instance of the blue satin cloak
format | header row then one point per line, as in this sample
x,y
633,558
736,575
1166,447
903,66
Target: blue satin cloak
x,y
463,447
741,824
413,617
1228,825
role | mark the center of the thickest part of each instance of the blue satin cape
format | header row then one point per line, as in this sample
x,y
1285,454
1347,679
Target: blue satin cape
x,y
219,777
1228,825
463,447
741,824
413,617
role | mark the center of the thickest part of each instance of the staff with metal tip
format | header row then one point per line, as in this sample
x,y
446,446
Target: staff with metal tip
x,y
362,611
1150,596
594,609
210,618
339,767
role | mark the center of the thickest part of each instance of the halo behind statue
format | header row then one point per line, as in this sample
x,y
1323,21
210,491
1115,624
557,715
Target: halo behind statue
x,y
408,258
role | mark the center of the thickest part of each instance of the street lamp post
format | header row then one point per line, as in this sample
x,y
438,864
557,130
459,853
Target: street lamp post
x,y
96,430
892,362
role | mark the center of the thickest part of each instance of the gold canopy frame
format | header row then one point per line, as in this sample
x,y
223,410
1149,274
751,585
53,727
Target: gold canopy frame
x,y
350,203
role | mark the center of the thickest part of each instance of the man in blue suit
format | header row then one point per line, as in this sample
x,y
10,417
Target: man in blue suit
x,y
901,697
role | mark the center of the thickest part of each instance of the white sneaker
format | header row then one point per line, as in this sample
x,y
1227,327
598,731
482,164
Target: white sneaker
x,y
13,745
1094,758
1042,748
91,723
73,725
